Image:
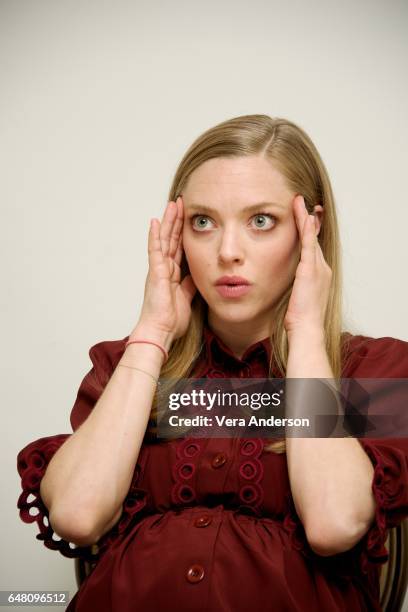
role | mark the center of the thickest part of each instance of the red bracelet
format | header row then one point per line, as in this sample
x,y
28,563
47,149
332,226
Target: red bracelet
x,y
163,350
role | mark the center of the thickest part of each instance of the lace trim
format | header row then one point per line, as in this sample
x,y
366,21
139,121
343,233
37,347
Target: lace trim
x,y
183,470
32,462
31,465
250,474
387,489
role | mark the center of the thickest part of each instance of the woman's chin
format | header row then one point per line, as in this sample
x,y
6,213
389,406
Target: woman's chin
x,y
232,313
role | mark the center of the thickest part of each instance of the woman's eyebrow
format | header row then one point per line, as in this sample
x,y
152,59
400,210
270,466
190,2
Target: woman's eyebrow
x,y
208,209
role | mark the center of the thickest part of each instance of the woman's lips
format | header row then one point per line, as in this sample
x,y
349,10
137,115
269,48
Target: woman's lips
x,y
232,291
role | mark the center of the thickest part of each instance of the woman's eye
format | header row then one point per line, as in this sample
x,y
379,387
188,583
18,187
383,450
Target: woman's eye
x,y
194,217
203,218
260,215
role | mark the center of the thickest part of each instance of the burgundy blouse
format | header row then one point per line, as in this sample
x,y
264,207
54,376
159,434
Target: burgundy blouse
x,y
209,525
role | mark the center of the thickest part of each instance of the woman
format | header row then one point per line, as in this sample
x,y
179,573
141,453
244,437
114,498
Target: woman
x,y
232,523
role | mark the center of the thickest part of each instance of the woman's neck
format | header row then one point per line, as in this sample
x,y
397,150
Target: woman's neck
x,y
239,336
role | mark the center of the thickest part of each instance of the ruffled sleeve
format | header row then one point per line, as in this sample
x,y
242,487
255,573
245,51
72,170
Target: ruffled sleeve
x,y
383,358
378,358
32,462
33,459
390,489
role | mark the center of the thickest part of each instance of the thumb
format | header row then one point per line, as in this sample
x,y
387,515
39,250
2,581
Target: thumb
x,y
188,287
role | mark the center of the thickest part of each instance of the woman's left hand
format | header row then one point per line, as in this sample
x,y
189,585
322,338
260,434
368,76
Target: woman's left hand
x,y
310,292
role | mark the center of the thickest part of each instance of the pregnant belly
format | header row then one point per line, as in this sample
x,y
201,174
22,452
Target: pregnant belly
x,y
204,559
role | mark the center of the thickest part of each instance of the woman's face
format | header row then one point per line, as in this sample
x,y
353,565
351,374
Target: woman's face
x,y
261,245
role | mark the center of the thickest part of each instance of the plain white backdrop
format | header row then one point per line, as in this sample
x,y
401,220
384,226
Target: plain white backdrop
x,y
99,101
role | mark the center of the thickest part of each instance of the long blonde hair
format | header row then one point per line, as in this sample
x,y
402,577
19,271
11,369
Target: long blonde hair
x,y
296,157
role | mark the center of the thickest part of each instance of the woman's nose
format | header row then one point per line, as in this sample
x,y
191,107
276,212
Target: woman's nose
x,y
230,247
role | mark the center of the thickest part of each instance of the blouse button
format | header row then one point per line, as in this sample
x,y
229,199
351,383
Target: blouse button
x,y
195,573
218,460
203,521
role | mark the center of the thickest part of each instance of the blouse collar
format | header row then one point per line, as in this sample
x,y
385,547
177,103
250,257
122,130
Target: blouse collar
x,y
216,349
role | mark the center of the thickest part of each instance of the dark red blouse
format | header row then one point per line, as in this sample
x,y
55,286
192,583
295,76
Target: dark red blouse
x,y
209,525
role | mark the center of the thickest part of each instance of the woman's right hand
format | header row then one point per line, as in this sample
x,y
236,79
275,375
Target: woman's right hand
x,y
167,301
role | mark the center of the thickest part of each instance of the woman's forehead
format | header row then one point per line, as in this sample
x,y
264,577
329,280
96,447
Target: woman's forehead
x,y
247,180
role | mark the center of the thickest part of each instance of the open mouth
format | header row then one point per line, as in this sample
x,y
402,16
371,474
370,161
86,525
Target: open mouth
x,y
232,290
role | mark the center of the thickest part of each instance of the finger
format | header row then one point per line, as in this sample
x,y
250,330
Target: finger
x,y
179,251
300,213
321,258
167,227
153,245
301,216
319,251
308,254
178,224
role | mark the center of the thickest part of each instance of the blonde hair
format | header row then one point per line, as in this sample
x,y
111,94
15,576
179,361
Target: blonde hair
x,y
296,157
